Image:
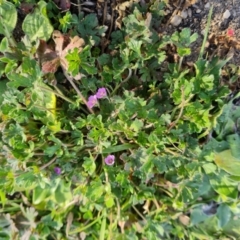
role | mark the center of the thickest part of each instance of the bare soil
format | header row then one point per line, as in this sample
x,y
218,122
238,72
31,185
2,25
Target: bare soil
x,y
194,15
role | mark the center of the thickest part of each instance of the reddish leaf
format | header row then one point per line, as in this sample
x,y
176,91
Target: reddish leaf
x,y
63,4
230,32
27,7
48,57
50,66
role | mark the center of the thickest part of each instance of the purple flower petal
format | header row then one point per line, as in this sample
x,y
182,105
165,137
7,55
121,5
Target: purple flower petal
x,y
92,101
57,170
109,160
101,93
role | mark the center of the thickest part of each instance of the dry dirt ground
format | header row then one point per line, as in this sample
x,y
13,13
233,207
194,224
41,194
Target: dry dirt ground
x,y
191,14
194,14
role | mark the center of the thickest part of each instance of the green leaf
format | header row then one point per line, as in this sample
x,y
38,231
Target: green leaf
x,y
42,103
197,216
89,165
74,62
40,194
185,33
3,88
3,198
104,59
89,68
89,26
223,214
226,161
135,45
51,150
19,80
28,73
63,194
183,51
117,37
193,38
232,228
234,143
209,227
207,82
36,25
109,200
8,17
4,45
209,167
2,70
95,190
225,187
175,37
49,221
136,125
87,61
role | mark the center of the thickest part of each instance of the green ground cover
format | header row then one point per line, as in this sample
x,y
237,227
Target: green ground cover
x,y
119,142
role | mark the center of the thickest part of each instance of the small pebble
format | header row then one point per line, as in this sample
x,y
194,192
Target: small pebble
x,y
184,14
189,12
176,20
207,5
226,14
234,13
109,17
203,32
198,10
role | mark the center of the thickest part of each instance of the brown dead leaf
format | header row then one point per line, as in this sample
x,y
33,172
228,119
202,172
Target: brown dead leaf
x,y
26,7
148,19
146,206
50,66
184,219
48,57
222,45
61,41
75,42
52,59
69,222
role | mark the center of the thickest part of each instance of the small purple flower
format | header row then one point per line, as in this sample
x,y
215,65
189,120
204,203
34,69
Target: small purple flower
x,y
109,160
101,93
92,101
57,170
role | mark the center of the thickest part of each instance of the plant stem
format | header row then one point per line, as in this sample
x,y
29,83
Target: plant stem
x,y
180,63
80,229
79,7
57,93
103,225
206,34
181,110
70,79
48,164
125,80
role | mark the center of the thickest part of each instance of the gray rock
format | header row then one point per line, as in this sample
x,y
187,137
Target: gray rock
x,y
176,20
